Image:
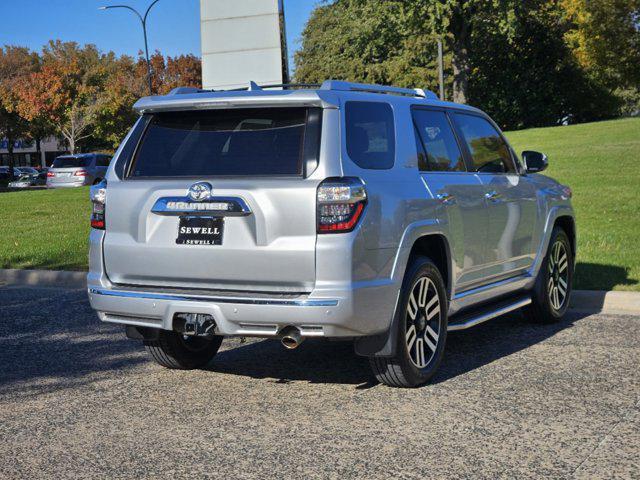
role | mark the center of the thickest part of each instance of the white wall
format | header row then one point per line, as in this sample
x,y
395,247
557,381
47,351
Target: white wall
x,y
242,40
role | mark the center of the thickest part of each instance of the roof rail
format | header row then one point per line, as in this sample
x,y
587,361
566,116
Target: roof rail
x,y
364,87
326,85
181,90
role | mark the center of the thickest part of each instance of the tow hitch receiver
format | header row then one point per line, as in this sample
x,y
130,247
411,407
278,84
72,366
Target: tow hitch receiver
x,y
194,324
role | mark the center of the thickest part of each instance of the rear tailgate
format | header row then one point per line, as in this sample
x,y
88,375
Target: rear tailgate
x,y
254,162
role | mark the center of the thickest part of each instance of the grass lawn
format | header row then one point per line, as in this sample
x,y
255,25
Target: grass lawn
x,y
46,229
600,161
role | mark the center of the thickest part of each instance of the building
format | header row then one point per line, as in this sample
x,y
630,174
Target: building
x,y
25,152
241,41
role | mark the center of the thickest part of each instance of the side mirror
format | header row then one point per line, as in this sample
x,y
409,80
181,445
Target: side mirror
x,y
534,161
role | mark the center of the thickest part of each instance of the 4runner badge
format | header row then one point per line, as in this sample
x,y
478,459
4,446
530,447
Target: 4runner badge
x,y
199,192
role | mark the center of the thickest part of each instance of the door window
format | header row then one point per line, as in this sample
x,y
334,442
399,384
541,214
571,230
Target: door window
x,y
441,151
489,152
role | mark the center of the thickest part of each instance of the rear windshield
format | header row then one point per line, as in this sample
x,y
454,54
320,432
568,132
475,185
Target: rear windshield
x,y
257,141
70,162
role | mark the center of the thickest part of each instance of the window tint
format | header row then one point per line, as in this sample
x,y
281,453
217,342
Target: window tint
x,y
256,141
440,146
370,134
70,162
489,152
103,161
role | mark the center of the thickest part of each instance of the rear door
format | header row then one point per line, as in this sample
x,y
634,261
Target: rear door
x,y
511,198
459,192
239,174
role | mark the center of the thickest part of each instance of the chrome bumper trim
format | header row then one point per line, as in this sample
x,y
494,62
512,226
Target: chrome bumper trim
x,y
192,298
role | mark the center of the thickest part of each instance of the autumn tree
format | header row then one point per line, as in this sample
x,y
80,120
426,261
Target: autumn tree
x,y
15,64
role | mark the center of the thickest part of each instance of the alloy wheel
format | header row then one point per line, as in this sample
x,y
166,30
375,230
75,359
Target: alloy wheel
x,y
558,281
423,322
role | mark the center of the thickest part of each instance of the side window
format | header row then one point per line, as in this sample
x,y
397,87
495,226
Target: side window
x,y
489,152
440,146
370,134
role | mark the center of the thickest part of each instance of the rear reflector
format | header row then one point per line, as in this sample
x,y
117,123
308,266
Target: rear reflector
x,y
341,202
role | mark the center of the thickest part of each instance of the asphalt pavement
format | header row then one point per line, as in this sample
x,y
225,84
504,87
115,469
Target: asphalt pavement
x,y
512,399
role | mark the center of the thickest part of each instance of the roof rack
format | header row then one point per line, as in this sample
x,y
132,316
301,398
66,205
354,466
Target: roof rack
x,y
365,87
326,85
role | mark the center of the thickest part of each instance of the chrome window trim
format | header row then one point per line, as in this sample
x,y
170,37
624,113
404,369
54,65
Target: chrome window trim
x,y
192,298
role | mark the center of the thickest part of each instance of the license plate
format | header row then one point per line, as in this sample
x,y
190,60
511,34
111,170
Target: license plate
x,y
200,231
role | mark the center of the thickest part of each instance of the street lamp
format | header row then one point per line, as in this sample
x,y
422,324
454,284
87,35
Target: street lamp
x,y
143,20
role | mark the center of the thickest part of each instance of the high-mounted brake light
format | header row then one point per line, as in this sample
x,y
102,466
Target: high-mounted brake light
x,y
341,202
98,196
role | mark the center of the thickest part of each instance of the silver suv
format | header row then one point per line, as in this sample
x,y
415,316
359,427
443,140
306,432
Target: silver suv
x,y
373,214
78,170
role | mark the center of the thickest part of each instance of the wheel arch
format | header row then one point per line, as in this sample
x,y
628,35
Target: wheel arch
x,y
428,240
568,224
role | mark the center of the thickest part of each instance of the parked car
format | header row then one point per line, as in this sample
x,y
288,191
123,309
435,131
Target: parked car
x,y
4,173
28,171
77,170
376,214
24,181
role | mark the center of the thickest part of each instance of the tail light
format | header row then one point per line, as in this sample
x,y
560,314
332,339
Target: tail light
x,y
341,202
98,196
80,173
51,174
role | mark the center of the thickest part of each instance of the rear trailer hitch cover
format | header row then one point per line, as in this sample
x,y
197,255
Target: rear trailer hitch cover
x,y
194,324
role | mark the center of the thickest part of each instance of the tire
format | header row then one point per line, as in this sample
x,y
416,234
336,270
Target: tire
x,y
174,350
420,339
552,291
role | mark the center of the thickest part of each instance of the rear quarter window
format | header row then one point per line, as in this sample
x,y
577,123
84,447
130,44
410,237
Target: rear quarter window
x,y
370,134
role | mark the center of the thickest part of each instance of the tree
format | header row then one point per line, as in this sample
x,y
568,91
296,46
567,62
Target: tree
x,y
605,38
66,91
15,64
368,41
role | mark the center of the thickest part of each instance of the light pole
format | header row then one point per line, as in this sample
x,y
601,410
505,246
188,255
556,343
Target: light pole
x,y
143,20
440,68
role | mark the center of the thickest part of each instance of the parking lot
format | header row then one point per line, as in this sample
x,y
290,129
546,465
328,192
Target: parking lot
x,y
77,399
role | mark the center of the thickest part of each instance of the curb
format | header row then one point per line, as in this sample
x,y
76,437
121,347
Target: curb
x,y
588,301
605,302
43,278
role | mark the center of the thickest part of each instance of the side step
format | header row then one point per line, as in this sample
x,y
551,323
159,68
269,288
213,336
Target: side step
x,y
471,319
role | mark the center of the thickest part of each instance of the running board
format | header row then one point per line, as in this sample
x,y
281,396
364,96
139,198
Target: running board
x,y
492,311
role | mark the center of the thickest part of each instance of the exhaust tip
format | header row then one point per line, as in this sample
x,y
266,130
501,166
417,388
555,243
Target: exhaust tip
x,y
290,337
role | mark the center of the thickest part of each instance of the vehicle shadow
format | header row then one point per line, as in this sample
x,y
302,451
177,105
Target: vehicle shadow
x,y
321,361
595,276
51,340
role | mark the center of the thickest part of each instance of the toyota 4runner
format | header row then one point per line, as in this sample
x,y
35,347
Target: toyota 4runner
x,y
374,214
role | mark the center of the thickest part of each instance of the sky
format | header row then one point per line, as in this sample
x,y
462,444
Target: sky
x,y
173,26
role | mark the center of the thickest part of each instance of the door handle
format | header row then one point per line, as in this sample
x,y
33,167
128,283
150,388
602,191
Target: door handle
x,y
493,196
446,199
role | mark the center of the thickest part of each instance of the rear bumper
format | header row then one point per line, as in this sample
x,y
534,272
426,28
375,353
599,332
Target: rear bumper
x,y
80,183
239,316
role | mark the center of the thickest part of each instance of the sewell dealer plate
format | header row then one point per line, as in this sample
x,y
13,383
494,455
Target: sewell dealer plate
x,y
200,230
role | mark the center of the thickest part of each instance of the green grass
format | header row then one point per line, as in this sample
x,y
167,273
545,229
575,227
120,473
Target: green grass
x,y
46,229
600,161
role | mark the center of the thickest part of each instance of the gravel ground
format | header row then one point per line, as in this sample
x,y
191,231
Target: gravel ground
x,y
512,399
